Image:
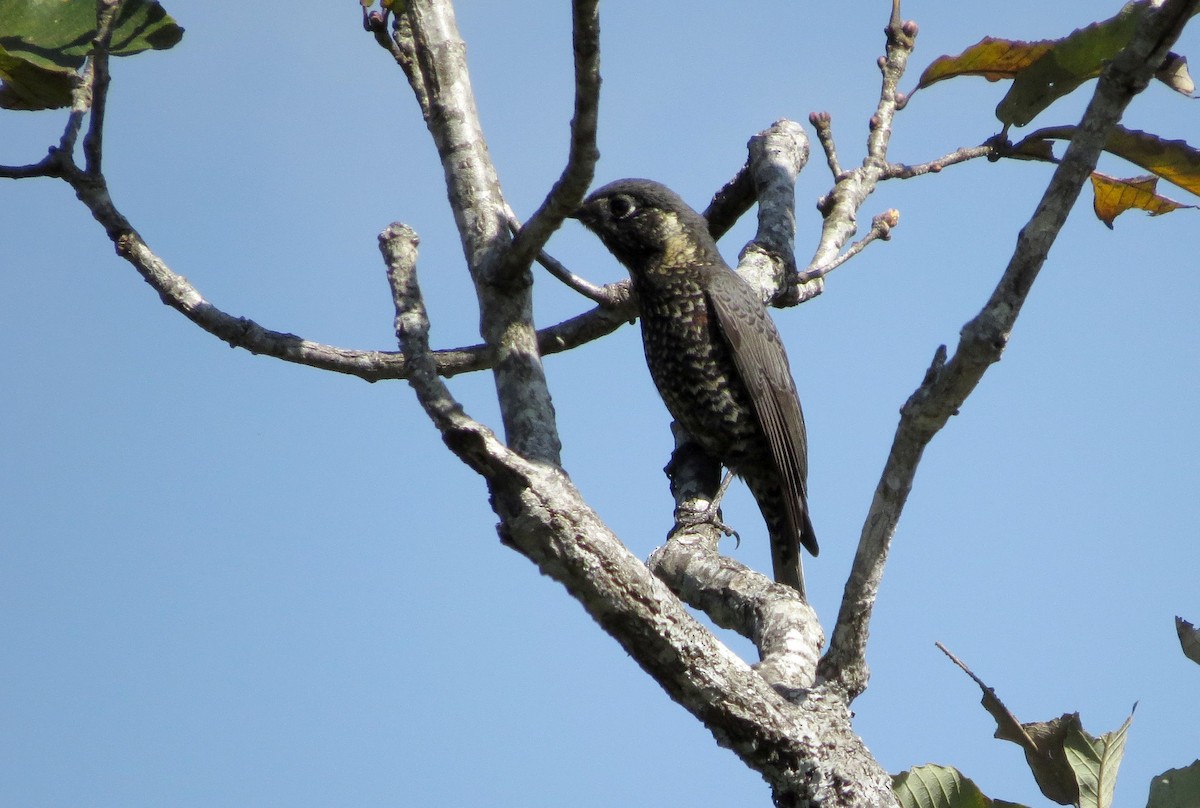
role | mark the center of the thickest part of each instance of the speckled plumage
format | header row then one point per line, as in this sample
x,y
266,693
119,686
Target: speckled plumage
x,y
714,354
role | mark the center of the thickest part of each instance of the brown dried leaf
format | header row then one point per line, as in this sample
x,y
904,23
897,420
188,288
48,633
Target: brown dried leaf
x,y
1041,741
1113,196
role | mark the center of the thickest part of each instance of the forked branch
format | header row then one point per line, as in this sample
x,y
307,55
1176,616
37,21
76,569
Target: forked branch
x,y
948,383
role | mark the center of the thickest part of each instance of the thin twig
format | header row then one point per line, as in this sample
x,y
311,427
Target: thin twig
x,y
606,296
93,141
881,230
851,188
823,123
901,171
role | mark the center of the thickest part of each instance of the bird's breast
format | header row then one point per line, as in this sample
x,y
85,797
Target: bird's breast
x,y
693,369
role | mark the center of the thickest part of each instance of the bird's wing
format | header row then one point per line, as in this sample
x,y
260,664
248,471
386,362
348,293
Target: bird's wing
x,y
761,362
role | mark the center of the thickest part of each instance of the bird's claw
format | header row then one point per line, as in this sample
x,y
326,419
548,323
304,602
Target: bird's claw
x,y
710,515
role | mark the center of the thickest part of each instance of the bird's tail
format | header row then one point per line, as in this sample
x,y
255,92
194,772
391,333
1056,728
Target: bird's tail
x,y
789,528
786,563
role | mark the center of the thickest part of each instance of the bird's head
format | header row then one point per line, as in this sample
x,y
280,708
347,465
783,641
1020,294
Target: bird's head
x,y
648,227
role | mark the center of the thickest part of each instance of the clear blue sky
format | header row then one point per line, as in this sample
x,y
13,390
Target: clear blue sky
x,y
225,580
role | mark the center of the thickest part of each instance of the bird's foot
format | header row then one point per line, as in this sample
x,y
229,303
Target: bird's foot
x,y
710,514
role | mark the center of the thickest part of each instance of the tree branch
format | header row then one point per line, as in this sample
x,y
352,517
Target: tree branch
x,y
851,188
948,383
901,171
568,191
505,298
606,296
881,230
777,155
98,78
807,752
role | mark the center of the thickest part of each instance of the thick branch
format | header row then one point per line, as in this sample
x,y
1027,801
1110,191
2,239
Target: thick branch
x,y
505,299
807,752
776,157
948,383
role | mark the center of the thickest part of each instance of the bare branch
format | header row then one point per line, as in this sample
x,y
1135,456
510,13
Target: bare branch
x,y
98,78
851,188
240,332
49,166
900,171
398,243
823,123
606,296
544,517
881,230
568,191
731,202
948,383
505,298
773,616
777,155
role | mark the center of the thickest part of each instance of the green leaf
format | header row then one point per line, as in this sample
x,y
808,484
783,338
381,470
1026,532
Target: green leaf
x,y
1176,788
933,786
29,87
1095,762
44,41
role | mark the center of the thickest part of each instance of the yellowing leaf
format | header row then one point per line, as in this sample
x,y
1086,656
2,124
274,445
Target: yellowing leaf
x,y
1045,70
1173,160
1113,196
994,59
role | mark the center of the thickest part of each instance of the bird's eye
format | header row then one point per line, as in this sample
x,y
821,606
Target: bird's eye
x,y
620,206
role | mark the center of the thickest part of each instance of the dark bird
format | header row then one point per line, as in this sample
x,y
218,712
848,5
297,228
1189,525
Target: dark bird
x,y
713,353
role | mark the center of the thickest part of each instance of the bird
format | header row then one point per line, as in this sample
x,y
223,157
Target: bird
x,y
714,354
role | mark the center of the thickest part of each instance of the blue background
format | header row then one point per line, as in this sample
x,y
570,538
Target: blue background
x,y
227,580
